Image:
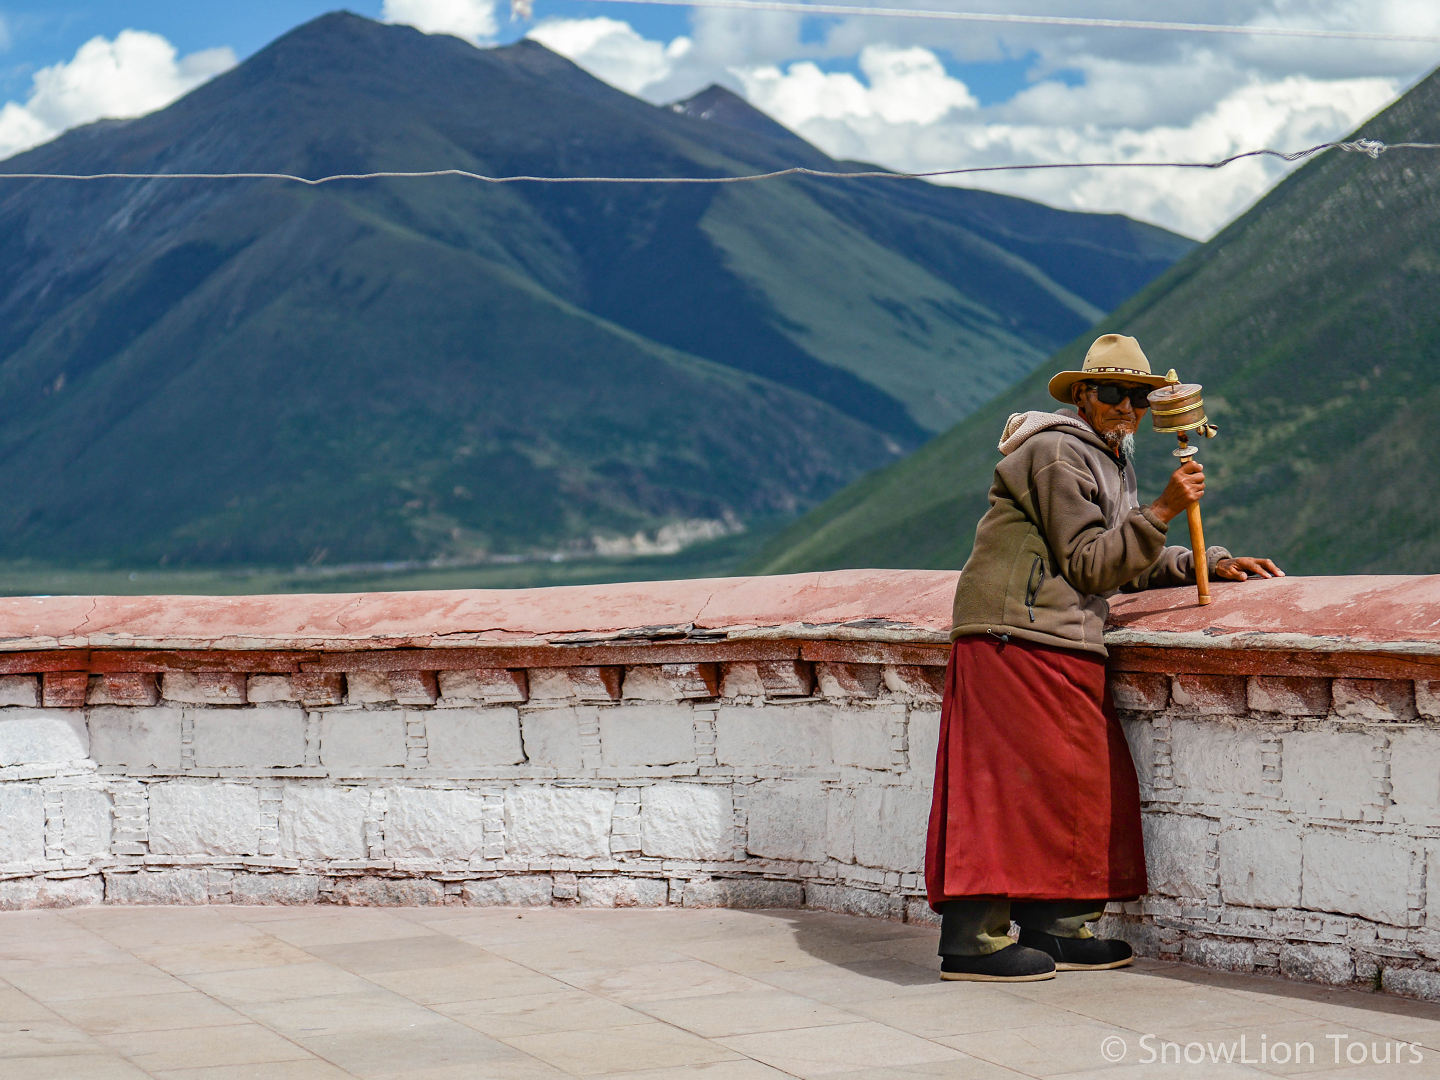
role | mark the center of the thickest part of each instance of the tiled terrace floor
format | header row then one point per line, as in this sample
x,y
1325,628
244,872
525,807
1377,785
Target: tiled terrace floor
x,y
490,994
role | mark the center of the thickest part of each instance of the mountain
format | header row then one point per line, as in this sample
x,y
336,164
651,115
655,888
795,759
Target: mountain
x,y
248,371
1312,324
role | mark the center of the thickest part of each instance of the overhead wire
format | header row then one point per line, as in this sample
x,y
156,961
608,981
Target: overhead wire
x,y
1371,148
1041,20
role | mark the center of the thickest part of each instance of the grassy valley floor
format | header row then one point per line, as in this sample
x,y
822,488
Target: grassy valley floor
x,y
717,558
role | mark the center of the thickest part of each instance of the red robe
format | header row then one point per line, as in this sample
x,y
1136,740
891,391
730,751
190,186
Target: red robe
x,y
1035,791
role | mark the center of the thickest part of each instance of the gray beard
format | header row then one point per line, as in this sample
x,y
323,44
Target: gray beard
x,y
1123,445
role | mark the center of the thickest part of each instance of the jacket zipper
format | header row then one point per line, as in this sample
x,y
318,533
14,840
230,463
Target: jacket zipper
x,y
1032,589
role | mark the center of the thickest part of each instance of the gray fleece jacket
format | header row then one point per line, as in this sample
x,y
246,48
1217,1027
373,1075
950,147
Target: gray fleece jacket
x,y
1065,531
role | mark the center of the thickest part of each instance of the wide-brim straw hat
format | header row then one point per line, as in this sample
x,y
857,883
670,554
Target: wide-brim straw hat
x,y
1113,356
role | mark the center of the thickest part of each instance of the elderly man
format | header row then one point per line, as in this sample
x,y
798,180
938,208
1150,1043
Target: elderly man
x,y
1036,813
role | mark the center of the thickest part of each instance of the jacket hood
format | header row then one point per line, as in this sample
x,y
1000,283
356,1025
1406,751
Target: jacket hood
x,y
1022,425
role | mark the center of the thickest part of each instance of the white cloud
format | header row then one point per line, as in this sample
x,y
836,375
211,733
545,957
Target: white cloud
x,y
473,20
904,120
1096,95
135,74
612,50
906,86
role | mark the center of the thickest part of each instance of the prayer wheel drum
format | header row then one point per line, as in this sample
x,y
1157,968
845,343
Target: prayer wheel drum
x,y
1178,408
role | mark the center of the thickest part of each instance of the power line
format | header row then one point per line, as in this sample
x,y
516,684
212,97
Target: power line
x,y
1371,147
1039,20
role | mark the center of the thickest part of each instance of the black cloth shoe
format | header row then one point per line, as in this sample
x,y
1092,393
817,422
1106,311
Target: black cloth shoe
x,y
1014,963
1079,954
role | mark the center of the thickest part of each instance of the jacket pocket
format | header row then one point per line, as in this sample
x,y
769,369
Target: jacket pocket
x,y
1032,585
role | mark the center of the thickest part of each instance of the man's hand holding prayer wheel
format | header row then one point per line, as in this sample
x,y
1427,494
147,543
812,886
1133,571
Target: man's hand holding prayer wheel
x,y
1186,486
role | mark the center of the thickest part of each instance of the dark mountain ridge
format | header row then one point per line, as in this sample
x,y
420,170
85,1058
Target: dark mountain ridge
x,y
257,371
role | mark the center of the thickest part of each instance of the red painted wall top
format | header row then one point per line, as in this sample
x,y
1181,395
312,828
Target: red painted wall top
x,y
886,605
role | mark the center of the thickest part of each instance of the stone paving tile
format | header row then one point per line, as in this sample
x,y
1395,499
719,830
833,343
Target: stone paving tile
x,y
44,1038
90,1067
146,1012
195,958
327,993
241,1044
399,954
311,1069
822,1051
627,1049
746,1012
99,980
1043,1050
539,1014
654,982
473,982
382,1049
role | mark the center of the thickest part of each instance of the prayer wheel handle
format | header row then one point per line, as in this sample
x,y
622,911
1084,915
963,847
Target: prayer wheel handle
x,y
1177,407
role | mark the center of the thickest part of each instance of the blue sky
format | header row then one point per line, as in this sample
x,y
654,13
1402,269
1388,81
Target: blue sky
x,y
909,94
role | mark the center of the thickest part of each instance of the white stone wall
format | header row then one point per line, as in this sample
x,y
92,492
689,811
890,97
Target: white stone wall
x,y
725,784
1292,826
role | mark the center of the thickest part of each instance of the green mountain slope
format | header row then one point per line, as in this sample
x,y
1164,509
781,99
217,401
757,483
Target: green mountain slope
x,y
1314,325
255,372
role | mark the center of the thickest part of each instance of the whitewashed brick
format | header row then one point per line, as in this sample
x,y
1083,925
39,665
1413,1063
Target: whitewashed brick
x,y
1175,846
204,819
840,825
786,820
368,688
647,735
564,821
40,736
1215,757
323,822
890,827
1415,772
141,738
552,739
87,813
22,823
924,740
204,687
371,739
512,890
774,735
423,823
613,892
1331,964
861,736
1328,766
19,690
741,679
278,888
268,736
687,821
1140,734
1383,700
1354,873
179,886
260,689
550,684
1260,864
473,738
646,682
22,893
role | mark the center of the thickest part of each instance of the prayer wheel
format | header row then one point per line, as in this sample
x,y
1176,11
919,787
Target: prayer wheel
x,y
1178,408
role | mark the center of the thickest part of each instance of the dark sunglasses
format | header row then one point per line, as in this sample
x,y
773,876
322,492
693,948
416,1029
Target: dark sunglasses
x,y
1112,394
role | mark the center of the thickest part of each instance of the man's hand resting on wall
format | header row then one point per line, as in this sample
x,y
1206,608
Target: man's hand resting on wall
x,y
1244,568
